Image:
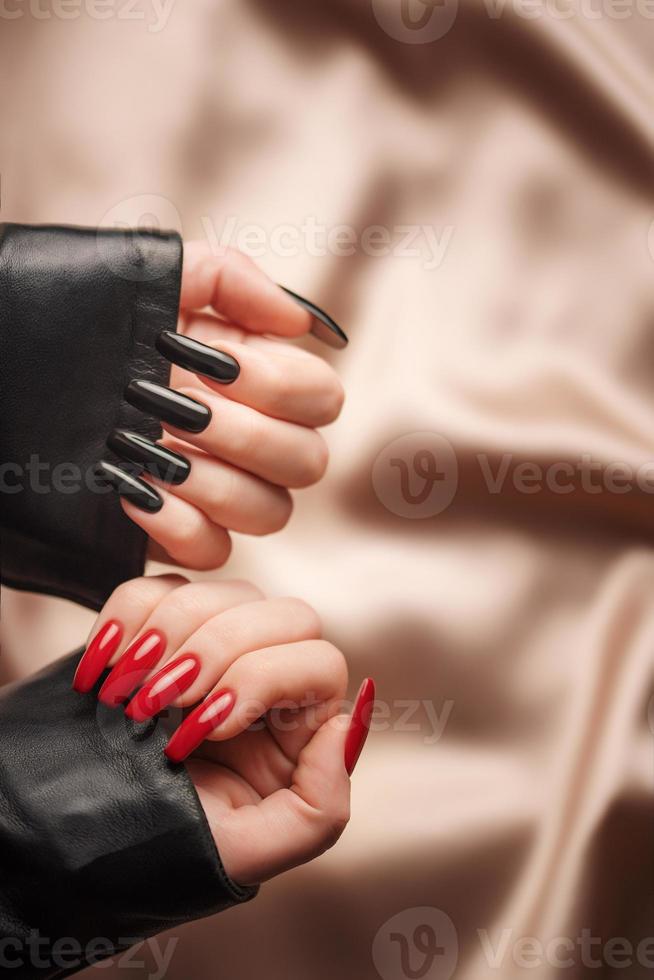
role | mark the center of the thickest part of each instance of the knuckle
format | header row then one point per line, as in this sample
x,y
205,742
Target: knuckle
x,y
277,516
213,557
231,261
336,820
221,552
222,495
194,546
328,823
247,436
279,383
188,601
238,258
242,585
331,398
335,663
138,593
186,527
303,614
284,510
314,462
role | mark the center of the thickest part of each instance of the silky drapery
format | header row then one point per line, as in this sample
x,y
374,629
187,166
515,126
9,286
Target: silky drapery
x,y
468,190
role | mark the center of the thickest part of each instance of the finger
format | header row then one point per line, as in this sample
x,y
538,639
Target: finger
x,y
280,452
238,290
230,497
305,673
216,645
184,532
292,825
178,615
122,617
269,377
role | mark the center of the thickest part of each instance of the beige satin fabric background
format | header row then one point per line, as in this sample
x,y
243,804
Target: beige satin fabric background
x,y
521,623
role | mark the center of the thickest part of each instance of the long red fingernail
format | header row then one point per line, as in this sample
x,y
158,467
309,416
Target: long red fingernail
x,y
134,665
97,655
359,724
164,688
204,719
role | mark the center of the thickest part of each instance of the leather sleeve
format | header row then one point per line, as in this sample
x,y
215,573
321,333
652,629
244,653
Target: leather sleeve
x,y
79,311
102,842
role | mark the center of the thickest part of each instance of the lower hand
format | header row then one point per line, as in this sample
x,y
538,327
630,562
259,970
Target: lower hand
x,y
266,746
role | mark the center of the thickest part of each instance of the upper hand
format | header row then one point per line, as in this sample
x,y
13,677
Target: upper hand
x,y
260,438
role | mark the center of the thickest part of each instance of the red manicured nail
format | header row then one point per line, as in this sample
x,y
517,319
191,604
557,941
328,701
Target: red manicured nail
x,y
97,655
134,665
204,719
164,688
359,724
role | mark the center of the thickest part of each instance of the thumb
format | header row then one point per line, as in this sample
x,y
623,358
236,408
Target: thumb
x,y
296,824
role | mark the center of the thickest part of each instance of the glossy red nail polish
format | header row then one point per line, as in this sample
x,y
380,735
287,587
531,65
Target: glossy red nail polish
x,y
164,688
134,665
97,655
204,719
359,724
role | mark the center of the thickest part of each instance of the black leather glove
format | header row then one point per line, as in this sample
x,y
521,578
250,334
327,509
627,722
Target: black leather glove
x,y
102,841
79,311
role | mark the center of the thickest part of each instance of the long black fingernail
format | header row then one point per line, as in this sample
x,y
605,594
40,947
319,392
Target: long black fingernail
x,y
197,357
166,465
323,327
168,405
130,487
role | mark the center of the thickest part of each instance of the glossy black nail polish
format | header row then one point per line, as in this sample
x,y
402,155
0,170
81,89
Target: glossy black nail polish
x,y
197,357
323,327
130,487
168,405
161,462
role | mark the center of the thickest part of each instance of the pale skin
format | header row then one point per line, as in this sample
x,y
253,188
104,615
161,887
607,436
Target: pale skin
x,y
275,794
262,440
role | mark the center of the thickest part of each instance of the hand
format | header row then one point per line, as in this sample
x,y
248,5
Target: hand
x,y
270,754
240,418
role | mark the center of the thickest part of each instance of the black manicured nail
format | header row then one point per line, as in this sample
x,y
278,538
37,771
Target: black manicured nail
x,y
323,327
197,357
166,465
130,487
168,405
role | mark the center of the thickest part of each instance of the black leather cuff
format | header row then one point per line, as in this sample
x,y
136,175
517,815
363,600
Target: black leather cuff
x,y
79,311
102,841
